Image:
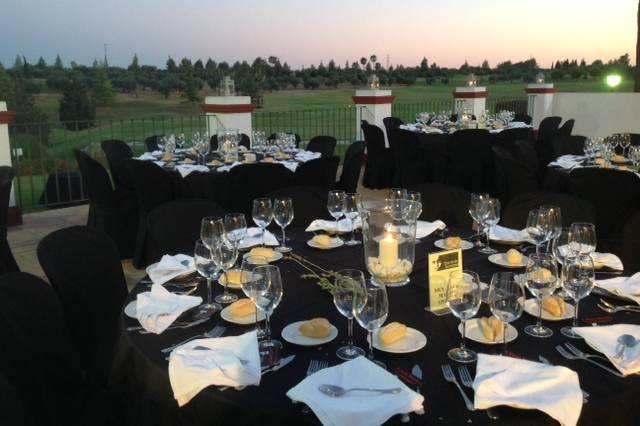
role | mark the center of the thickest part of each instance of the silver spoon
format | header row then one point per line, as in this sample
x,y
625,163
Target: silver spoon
x,y
338,391
625,341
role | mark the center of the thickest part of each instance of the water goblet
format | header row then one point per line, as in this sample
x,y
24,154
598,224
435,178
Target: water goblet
x,y
262,214
207,268
490,218
541,279
463,299
283,216
583,237
225,256
580,278
347,282
247,275
350,210
537,227
335,205
370,308
266,292
506,300
476,211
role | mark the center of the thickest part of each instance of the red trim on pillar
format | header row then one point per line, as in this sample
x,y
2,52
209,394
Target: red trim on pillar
x,y
542,90
470,95
372,100
228,109
7,117
14,216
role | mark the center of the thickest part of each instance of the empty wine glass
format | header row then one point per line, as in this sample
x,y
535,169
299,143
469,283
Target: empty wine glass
x,y
266,292
348,281
490,218
208,269
580,278
476,211
283,215
463,299
625,141
370,308
506,300
398,194
235,226
262,214
563,253
350,210
583,237
247,282
541,279
335,205
416,196
554,220
225,256
537,227
212,231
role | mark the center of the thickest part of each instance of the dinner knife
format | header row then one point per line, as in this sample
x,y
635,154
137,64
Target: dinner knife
x,y
417,371
283,363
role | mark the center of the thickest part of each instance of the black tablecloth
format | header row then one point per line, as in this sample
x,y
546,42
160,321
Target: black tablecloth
x,y
612,398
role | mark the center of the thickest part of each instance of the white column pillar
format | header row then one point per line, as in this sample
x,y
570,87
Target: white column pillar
x,y
14,216
473,98
227,113
539,102
373,105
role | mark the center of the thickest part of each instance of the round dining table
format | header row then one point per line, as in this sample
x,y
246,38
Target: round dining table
x,y
612,399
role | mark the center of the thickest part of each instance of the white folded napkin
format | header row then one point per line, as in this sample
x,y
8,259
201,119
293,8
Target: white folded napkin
x,y
628,287
158,309
344,225
518,125
170,267
159,163
425,228
186,169
502,233
356,408
433,130
608,260
502,380
304,156
291,165
605,339
228,361
229,167
146,157
254,238
567,161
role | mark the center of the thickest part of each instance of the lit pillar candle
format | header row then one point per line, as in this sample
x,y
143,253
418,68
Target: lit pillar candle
x,y
388,250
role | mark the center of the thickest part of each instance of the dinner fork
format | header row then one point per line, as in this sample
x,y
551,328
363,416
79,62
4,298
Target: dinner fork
x,y
216,331
314,367
570,356
467,380
578,352
617,308
447,372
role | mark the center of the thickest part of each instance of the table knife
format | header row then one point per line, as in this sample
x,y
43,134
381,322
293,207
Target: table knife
x,y
283,363
417,371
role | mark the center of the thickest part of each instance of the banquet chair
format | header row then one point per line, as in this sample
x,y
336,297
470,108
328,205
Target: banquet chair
x,y
566,128
12,411
152,143
273,137
325,145
117,153
563,145
351,167
470,161
513,177
573,209
522,118
409,155
391,123
174,227
249,181
631,244
309,203
547,131
508,137
635,139
444,202
7,261
378,168
319,172
84,269
108,213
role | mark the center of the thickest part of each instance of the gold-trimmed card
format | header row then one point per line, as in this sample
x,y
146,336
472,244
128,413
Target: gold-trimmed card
x,y
441,265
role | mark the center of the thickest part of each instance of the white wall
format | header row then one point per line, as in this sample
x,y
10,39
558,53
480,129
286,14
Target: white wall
x,y
599,114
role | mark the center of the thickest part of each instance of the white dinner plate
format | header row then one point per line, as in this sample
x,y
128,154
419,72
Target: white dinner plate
x,y
246,320
277,256
292,334
335,243
500,259
531,307
233,286
474,333
413,341
442,244
130,309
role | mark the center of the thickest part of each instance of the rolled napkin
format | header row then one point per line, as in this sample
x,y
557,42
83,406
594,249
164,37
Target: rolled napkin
x,y
605,339
607,260
254,238
158,309
568,161
425,228
304,156
356,408
628,287
508,235
186,169
502,380
344,225
170,267
224,361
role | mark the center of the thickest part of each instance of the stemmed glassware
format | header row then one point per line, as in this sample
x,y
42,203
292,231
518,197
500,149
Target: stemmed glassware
x,y
537,227
634,156
350,210
398,194
266,292
370,308
348,281
476,211
563,253
235,225
580,278
625,141
207,268
225,256
262,214
212,232
554,220
283,216
490,218
247,282
415,196
463,299
335,205
541,279
506,300
583,237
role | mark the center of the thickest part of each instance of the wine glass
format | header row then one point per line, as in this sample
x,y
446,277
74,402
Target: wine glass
x,y
398,194
235,226
247,282
580,278
208,269
563,253
625,141
283,215
262,214
583,237
554,220
506,300
537,226
335,205
350,210
541,279
212,231
266,293
463,299
348,281
490,218
476,212
161,142
370,308
225,256
415,196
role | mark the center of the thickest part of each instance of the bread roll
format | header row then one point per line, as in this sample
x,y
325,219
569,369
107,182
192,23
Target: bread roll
x,y
317,328
187,161
619,158
267,160
242,308
392,332
453,242
322,240
554,305
492,328
167,156
514,257
542,275
236,277
265,252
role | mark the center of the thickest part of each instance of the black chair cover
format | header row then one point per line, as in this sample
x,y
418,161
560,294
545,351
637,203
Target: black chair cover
x,y
444,202
152,143
391,123
351,167
508,137
309,203
117,153
12,411
63,189
7,261
410,158
573,209
563,145
325,145
566,128
174,227
631,245
547,131
635,139
524,118
513,177
319,172
249,181
83,266
378,169
470,162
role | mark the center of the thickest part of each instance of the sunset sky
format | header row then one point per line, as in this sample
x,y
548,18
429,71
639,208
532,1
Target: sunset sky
x,y
303,32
